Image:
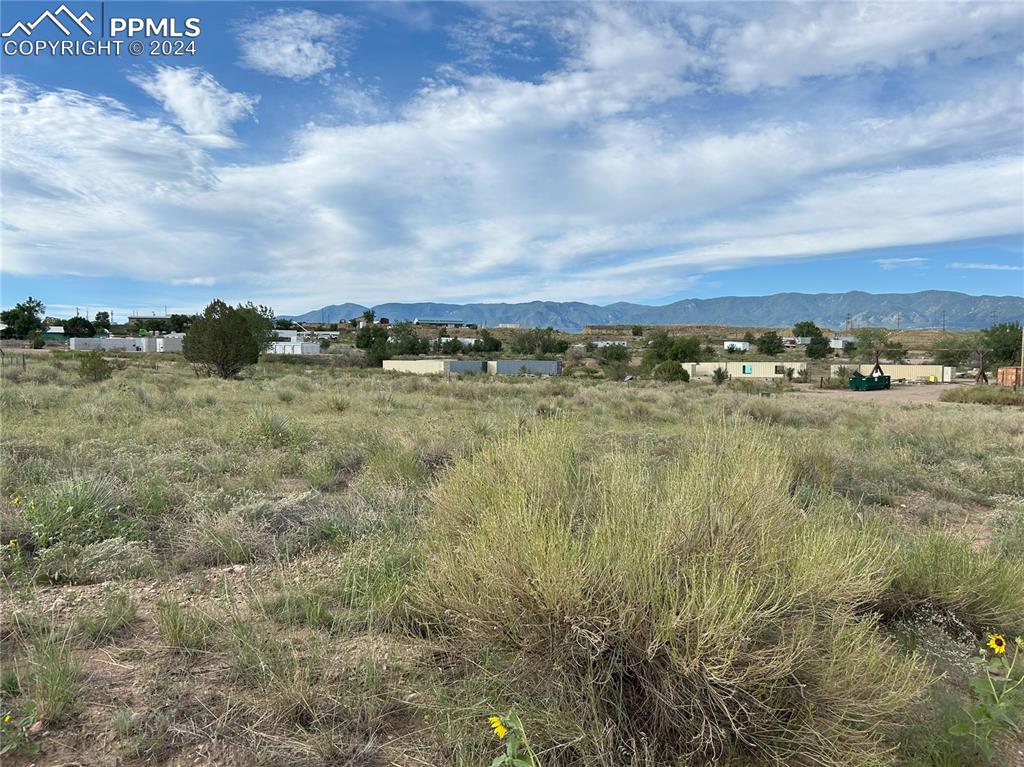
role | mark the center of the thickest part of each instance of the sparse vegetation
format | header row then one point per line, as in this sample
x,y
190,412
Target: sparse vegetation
x,y
329,565
984,395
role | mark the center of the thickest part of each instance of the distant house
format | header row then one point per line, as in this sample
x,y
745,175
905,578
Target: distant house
x,y
841,342
431,323
736,346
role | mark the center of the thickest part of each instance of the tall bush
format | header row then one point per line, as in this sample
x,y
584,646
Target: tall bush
x,y
692,609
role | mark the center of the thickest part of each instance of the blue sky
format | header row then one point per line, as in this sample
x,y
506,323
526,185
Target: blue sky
x,y
316,153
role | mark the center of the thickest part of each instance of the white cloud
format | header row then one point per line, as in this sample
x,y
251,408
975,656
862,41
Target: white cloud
x,y
989,267
889,264
839,39
200,105
293,44
597,179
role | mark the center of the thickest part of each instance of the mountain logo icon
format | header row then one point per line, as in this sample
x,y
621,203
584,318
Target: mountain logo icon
x,y
63,18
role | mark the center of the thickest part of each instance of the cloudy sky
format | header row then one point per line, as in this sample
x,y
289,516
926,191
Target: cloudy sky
x,y
318,153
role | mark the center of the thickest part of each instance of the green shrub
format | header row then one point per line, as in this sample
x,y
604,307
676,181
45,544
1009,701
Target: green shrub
x,y
691,608
984,395
111,559
187,629
78,510
54,676
670,371
119,610
984,590
93,367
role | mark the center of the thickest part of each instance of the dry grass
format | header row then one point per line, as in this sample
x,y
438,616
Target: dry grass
x,y
646,573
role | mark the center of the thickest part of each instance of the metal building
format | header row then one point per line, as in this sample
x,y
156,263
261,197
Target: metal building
x,y
434,366
524,367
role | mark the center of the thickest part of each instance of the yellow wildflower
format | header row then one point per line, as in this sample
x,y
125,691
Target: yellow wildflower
x,y
498,726
7,717
997,643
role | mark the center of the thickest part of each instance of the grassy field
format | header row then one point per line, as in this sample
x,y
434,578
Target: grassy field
x,y
316,566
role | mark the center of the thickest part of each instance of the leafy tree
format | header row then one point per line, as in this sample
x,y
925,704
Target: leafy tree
x,y
451,346
403,340
79,327
958,350
616,353
179,323
662,347
487,342
282,324
638,330
879,340
1004,341
369,315
770,343
748,337
538,341
224,339
670,370
373,339
102,320
719,376
819,347
806,329
23,320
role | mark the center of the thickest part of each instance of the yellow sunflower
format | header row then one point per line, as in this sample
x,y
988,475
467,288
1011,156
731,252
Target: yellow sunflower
x,y
498,726
997,643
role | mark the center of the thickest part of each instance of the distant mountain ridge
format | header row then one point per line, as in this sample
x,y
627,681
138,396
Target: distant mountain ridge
x,y
926,309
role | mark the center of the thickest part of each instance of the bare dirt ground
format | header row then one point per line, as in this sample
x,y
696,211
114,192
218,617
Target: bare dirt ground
x,y
897,394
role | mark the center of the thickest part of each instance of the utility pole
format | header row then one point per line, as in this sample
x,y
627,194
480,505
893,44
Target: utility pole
x,y
897,320
943,320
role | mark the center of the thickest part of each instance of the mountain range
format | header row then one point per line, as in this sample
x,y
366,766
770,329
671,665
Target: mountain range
x,y
926,309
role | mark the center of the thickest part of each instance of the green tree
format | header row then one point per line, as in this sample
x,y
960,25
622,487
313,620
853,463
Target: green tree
x,y
806,329
749,337
770,343
487,342
819,347
373,339
102,320
79,327
872,341
638,330
224,339
282,324
261,323
369,315
958,350
616,353
661,347
1004,341
403,340
538,341
24,319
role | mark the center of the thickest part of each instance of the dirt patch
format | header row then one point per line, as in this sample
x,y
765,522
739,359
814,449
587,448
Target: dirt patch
x,y
899,394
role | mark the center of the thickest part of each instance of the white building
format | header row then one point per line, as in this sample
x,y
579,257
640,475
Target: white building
x,y
738,346
290,347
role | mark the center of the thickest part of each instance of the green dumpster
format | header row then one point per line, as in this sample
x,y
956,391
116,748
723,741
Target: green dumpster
x,y
860,382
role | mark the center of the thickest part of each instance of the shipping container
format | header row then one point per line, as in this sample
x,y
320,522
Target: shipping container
x,y
524,367
929,373
434,366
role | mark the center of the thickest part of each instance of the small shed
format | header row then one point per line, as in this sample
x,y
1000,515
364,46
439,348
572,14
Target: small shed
x,y
1011,376
524,367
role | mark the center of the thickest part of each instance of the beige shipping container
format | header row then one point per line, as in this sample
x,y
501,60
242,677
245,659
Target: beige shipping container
x,y
751,369
434,366
930,373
